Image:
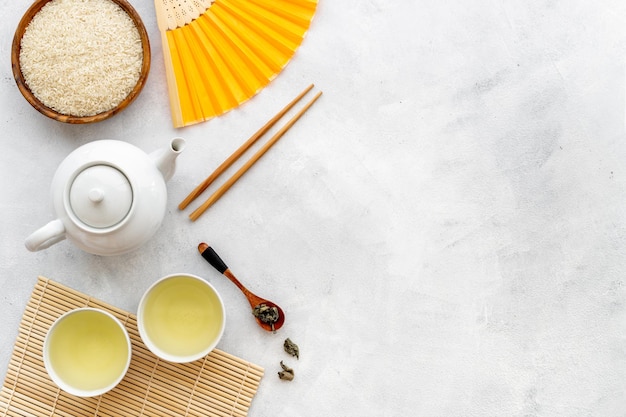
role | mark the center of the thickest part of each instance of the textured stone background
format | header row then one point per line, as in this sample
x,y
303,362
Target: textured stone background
x,y
444,228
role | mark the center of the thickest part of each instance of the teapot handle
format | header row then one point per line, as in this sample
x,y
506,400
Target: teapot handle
x,y
46,236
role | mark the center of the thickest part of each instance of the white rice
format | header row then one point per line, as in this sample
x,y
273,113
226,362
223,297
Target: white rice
x,y
81,57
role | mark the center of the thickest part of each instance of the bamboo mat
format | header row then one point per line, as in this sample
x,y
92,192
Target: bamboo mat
x,y
220,384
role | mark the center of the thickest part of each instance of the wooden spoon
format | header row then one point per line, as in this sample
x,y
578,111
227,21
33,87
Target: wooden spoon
x,y
256,302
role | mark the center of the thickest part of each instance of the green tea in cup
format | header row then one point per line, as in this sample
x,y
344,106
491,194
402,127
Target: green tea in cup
x,y
181,318
87,352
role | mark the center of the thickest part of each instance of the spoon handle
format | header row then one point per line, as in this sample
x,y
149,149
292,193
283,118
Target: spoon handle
x,y
213,258
216,262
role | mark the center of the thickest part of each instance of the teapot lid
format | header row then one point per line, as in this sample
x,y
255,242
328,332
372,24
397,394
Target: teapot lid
x,y
100,196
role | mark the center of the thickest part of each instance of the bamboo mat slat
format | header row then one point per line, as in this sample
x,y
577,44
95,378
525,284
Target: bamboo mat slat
x,y
219,384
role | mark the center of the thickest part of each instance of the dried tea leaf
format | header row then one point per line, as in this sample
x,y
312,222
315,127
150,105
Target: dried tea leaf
x,y
291,348
287,373
266,314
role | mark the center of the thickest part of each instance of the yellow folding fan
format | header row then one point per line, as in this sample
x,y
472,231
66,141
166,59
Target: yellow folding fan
x,y
220,53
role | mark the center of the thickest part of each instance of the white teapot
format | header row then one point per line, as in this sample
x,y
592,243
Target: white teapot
x,y
109,196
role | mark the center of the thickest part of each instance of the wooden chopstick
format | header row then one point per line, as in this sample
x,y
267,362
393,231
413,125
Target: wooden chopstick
x,y
220,191
244,147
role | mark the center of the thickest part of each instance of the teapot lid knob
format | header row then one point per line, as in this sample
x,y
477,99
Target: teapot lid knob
x,y
96,195
100,196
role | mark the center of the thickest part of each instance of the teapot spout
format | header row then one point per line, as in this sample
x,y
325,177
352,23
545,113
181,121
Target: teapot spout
x,y
165,158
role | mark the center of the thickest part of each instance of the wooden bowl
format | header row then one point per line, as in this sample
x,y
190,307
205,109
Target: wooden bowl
x,y
66,118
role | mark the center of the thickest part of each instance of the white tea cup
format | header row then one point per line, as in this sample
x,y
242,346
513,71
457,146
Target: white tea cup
x,y
87,352
181,318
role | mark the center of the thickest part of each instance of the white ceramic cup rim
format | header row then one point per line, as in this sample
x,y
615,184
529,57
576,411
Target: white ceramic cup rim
x,y
168,356
65,386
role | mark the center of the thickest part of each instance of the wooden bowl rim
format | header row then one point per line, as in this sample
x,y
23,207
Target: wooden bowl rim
x,y
65,118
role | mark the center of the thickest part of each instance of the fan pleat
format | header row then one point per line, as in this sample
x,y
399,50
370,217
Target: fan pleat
x,y
282,29
189,73
270,59
229,52
215,81
239,35
181,84
226,80
197,73
236,63
298,11
271,39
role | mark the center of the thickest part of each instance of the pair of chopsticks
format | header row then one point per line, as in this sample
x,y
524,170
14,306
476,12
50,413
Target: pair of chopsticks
x,y
243,148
